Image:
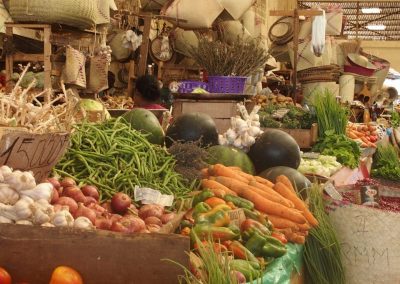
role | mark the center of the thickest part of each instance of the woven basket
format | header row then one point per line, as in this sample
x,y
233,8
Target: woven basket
x,y
226,84
75,13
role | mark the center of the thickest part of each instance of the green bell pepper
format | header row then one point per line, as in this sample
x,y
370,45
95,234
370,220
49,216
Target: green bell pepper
x,y
250,269
255,244
239,202
265,246
200,208
250,226
207,231
205,194
241,252
255,215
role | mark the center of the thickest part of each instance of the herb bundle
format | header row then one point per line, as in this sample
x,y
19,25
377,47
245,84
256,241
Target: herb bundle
x,y
386,163
241,58
322,253
331,116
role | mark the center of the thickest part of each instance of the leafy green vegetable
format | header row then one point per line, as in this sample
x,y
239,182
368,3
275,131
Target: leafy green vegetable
x,y
296,118
395,119
322,252
344,149
331,116
386,163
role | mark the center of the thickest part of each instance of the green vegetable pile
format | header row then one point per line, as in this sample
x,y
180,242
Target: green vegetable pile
x,y
116,158
346,151
395,119
296,118
386,163
322,253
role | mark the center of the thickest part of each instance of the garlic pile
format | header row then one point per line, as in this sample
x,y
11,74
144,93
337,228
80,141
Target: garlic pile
x,y
244,129
24,202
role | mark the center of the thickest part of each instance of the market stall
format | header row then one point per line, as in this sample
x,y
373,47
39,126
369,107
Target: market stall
x,y
143,142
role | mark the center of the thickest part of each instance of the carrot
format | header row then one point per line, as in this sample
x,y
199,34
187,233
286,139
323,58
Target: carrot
x,y
264,181
272,197
242,173
268,189
205,173
304,227
270,207
352,135
298,203
296,238
282,223
231,183
214,201
218,189
221,170
286,181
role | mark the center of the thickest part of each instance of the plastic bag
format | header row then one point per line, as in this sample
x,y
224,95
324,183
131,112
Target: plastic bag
x,y
318,34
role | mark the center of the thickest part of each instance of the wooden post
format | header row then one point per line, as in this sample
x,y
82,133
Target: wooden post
x,y
9,57
144,49
47,58
296,13
131,78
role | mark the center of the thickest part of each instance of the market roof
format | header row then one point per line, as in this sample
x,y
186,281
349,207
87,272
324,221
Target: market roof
x,y
385,18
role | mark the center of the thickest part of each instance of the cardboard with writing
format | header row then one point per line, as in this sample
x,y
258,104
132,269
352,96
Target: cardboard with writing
x,y
26,151
237,217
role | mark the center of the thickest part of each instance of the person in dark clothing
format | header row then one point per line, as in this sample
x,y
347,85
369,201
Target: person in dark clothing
x,y
147,93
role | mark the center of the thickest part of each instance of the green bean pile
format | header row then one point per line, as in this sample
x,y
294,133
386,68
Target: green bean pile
x,y
116,158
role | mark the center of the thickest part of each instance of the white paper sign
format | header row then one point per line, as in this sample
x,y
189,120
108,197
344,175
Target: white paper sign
x,y
152,196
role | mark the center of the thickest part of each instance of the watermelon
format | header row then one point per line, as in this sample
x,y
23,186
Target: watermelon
x,y
146,122
192,127
230,157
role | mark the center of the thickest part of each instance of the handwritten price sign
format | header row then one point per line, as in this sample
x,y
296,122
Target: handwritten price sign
x,y
38,153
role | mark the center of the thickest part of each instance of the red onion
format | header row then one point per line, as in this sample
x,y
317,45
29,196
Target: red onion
x,y
55,196
151,210
153,220
107,206
90,190
67,181
118,227
168,217
153,228
240,278
54,182
120,203
85,212
70,191
115,217
103,223
134,224
68,201
90,200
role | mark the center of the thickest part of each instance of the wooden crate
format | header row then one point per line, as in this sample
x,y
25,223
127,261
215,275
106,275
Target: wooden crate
x,y
306,138
221,110
31,253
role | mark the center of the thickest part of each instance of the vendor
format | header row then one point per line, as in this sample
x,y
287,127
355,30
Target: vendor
x,y
147,93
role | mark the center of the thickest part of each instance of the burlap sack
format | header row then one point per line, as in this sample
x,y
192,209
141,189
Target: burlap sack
x,y
236,8
305,56
74,69
184,40
98,74
206,11
119,52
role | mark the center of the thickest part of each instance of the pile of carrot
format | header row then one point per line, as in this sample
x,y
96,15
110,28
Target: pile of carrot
x,y
365,134
279,201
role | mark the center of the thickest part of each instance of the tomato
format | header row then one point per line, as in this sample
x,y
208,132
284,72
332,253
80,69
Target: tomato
x,y
5,278
65,275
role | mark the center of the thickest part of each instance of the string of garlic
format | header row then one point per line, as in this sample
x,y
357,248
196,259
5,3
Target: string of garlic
x,y
244,130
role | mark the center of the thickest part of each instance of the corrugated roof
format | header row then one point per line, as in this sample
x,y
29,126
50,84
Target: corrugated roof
x,y
389,16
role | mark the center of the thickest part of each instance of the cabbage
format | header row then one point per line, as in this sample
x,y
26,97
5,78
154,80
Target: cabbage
x,y
93,105
324,166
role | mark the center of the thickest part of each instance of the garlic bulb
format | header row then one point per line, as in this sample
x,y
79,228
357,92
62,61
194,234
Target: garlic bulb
x,y
24,222
50,225
42,211
83,223
8,195
41,191
4,220
8,212
23,209
62,219
5,171
20,180
230,135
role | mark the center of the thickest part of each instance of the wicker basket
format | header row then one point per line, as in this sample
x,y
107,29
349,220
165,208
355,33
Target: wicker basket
x,y
226,84
75,13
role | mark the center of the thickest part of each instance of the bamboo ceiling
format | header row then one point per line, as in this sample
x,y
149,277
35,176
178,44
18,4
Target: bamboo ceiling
x,y
356,21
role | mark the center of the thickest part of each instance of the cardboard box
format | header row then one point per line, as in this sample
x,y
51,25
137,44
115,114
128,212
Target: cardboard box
x,y
30,253
26,151
306,138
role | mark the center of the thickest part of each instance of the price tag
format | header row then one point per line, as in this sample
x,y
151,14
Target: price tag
x,y
237,217
330,189
151,196
311,155
280,113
